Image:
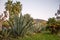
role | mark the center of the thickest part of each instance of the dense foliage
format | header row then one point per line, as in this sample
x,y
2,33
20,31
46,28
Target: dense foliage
x,y
13,8
53,25
17,25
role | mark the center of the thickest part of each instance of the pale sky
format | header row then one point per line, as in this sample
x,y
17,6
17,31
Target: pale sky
x,y
38,9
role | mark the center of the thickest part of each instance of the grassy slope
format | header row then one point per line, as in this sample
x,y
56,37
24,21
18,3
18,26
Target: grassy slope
x,y
41,37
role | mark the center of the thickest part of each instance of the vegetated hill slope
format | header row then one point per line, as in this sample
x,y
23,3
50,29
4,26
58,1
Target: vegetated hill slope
x,y
40,21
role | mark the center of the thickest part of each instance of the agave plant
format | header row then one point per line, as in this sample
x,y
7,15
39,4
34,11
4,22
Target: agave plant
x,y
21,25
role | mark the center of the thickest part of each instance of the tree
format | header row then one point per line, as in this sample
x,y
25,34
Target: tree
x,y
51,21
13,8
53,25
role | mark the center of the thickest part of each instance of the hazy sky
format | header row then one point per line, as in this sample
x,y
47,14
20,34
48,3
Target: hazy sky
x,y
38,9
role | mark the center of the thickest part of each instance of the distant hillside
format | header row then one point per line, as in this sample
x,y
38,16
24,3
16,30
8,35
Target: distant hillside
x,y
39,20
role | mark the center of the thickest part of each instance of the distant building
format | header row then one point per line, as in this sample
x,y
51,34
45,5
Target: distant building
x,y
58,14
